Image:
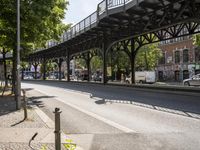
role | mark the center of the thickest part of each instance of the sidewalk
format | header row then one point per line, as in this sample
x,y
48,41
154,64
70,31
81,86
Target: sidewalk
x,y
16,133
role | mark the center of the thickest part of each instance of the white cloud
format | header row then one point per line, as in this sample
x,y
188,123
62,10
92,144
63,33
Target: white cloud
x,y
80,9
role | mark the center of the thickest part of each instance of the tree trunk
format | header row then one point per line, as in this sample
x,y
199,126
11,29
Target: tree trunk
x,y
5,67
22,75
35,73
14,71
146,61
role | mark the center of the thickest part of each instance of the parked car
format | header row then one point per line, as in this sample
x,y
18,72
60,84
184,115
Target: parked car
x,y
52,76
28,77
83,75
143,77
192,81
55,75
97,77
31,75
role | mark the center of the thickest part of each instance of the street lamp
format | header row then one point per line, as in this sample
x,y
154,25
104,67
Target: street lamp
x,y
18,81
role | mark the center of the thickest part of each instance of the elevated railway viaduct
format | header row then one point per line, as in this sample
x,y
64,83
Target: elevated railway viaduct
x,y
122,25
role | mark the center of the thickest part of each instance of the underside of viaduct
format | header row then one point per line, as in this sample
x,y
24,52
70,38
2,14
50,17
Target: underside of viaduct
x,y
122,25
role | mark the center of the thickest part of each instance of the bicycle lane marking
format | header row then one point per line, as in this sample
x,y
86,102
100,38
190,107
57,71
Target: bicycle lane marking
x,y
109,122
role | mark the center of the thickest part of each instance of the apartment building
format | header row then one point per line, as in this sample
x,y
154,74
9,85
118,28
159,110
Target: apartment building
x,y
181,59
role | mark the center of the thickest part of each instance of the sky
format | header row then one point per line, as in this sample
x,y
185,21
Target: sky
x,y
80,9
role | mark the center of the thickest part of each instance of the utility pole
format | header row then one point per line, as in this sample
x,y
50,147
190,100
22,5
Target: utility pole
x,y
18,81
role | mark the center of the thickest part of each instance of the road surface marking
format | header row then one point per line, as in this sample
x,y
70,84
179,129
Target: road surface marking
x,y
109,122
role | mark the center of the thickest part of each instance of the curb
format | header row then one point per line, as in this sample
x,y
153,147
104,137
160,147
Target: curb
x,y
168,88
50,124
151,88
44,117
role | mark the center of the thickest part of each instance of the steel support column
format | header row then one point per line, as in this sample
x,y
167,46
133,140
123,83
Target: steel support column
x,y
104,48
88,65
111,63
59,68
68,66
132,59
35,65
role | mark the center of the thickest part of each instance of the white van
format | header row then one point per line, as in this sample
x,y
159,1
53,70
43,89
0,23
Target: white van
x,y
143,77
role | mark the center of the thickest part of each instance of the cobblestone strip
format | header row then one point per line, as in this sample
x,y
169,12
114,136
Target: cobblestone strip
x,y
15,120
25,146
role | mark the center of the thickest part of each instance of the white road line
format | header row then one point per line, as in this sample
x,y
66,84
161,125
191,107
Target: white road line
x,y
109,122
77,92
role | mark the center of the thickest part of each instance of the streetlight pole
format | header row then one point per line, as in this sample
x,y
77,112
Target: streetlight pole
x,y
18,81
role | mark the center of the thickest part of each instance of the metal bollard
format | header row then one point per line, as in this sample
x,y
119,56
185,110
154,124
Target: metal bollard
x,y
25,104
57,129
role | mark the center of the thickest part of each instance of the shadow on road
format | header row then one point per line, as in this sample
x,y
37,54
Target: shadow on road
x,y
35,100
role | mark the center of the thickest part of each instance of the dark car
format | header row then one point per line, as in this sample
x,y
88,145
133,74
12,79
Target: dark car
x,y
83,75
97,76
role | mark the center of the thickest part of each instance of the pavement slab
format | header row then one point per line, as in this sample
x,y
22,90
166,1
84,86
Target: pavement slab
x,y
16,133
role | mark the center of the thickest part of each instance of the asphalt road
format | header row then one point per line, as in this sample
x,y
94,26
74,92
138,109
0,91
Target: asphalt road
x,y
99,117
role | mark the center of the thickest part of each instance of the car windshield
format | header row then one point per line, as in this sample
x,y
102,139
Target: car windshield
x,y
195,76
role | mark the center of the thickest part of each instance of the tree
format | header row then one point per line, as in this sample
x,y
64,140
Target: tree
x,y
147,57
80,63
96,63
41,20
118,62
4,52
196,39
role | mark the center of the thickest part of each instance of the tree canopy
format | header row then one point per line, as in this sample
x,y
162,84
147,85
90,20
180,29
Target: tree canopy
x,y
196,39
41,20
147,57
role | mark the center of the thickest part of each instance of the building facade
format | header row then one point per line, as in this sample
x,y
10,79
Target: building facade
x,y
181,59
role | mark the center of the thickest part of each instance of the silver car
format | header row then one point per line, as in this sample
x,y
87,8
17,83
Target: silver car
x,y
193,81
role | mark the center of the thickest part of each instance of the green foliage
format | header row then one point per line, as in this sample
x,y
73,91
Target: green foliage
x,y
121,61
41,20
24,64
147,57
80,63
50,66
96,63
196,39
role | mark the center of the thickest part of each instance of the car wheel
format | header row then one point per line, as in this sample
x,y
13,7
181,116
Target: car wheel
x,y
186,83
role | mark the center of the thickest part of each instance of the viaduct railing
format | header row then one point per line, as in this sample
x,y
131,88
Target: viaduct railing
x,y
87,23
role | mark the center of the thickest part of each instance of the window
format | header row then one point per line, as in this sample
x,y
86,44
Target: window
x,y
185,74
177,57
177,74
197,54
160,75
162,59
185,55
